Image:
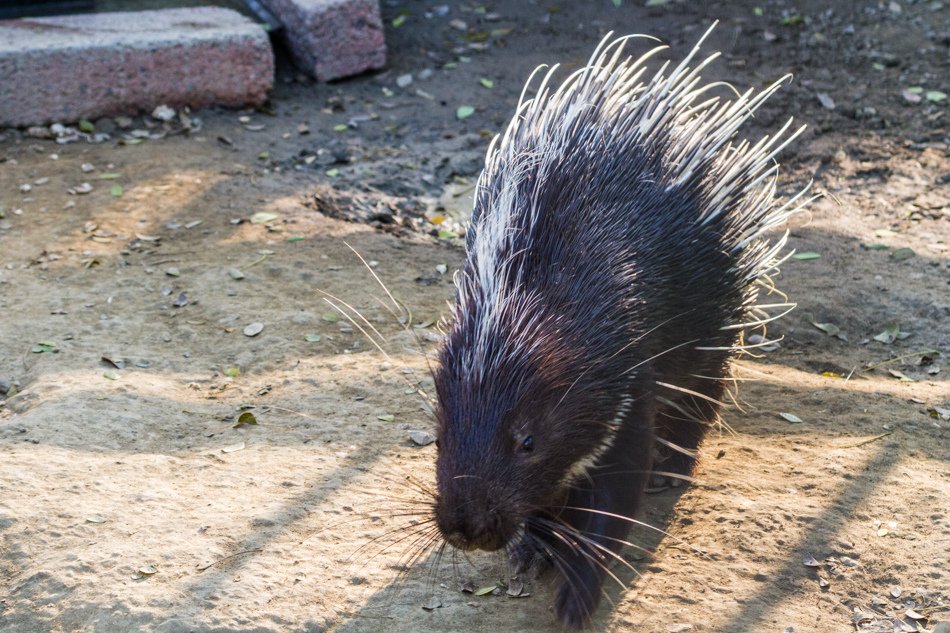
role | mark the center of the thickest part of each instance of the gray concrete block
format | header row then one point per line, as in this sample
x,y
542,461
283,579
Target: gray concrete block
x,y
65,68
330,39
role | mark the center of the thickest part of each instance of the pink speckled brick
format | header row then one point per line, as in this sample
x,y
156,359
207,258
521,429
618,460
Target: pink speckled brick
x,y
85,66
329,39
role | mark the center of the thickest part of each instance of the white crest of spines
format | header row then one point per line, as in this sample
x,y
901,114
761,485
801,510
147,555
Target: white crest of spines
x,y
672,113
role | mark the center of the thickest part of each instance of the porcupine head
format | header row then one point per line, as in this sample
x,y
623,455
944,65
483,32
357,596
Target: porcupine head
x,y
589,202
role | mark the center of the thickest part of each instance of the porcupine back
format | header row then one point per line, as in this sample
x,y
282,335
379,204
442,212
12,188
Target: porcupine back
x,y
618,205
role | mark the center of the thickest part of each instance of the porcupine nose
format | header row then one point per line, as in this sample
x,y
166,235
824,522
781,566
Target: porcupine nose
x,y
473,530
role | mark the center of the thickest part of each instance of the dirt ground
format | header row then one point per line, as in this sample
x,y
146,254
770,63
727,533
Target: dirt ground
x,y
130,501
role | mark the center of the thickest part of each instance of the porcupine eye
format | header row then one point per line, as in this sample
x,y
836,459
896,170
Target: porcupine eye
x,y
527,444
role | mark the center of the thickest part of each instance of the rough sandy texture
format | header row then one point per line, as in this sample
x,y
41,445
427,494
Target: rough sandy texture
x,y
107,471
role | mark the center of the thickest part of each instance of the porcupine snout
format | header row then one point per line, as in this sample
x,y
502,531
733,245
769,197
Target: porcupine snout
x,y
469,519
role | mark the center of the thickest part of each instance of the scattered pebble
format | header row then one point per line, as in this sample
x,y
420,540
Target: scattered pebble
x,y
163,113
254,329
421,438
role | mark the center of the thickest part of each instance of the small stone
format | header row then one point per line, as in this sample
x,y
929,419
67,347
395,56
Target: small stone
x,y
105,125
87,167
826,101
39,131
421,438
123,122
403,80
4,386
163,113
254,329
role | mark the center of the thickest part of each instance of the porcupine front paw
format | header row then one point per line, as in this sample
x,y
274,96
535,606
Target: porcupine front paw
x,y
528,552
671,469
576,599
521,556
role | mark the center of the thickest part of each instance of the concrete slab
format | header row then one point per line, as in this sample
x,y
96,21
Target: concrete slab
x,y
330,39
65,68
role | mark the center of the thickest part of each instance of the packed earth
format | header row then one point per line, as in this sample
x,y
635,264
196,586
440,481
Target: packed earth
x,y
210,416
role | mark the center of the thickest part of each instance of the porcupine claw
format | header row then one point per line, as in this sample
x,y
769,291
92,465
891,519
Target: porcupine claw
x,y
521,557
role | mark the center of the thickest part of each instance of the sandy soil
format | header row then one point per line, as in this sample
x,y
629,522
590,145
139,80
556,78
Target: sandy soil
x,y
130,502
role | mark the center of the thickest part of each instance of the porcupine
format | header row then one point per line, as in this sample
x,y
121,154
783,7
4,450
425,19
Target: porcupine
x,y
612,261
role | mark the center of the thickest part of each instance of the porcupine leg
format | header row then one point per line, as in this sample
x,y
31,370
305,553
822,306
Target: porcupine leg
x,y
598,513
684,426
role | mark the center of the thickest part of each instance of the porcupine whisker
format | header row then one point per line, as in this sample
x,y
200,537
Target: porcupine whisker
x,y
640,548
434,563
416,549
413,552
408,481
651,554
651,471
426,500
421,486
395,515
407,561
580,534
572,538
405,531
638,523
567,572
